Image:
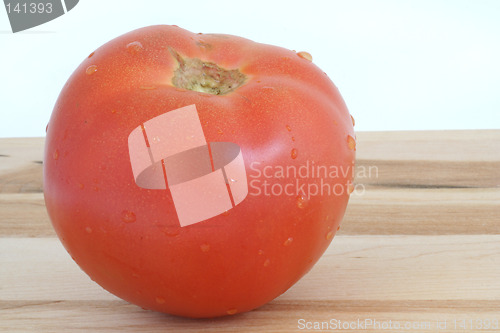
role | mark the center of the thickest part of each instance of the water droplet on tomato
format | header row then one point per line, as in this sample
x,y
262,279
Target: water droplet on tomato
x,y
160,300
288,241
293,138
301,202
171,231
226,213
204,45
56,154
220,131
232,311
350,188
288,128
329,235
88,230
232,180
353,122
205,247
338,228
128,216
305,55
147,87
268,88
47,128
90,55
351,143
294,153
134,47
91,69
267,262
261,252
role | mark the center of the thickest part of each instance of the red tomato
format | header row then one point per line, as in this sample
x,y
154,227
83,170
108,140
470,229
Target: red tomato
x,y
297,145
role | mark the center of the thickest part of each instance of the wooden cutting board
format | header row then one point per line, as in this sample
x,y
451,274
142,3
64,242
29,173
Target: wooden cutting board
x,y
418,250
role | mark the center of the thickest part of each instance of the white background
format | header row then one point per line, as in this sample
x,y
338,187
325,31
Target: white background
x,y
400,65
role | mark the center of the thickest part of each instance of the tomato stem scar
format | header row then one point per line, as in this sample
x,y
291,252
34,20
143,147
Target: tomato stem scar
x,y
207,77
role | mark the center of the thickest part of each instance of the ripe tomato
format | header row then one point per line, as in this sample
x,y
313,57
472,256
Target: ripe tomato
x,y
272,107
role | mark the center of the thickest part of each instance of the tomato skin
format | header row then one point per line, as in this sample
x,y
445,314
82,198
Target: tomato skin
x,y
128,239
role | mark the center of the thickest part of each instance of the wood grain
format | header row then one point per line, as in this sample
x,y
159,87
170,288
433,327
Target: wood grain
x,y
21,165
277,316
419,245
424,190
416,212
398,278
354,268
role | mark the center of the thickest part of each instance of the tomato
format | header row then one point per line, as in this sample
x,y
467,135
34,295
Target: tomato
x,y
269,111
